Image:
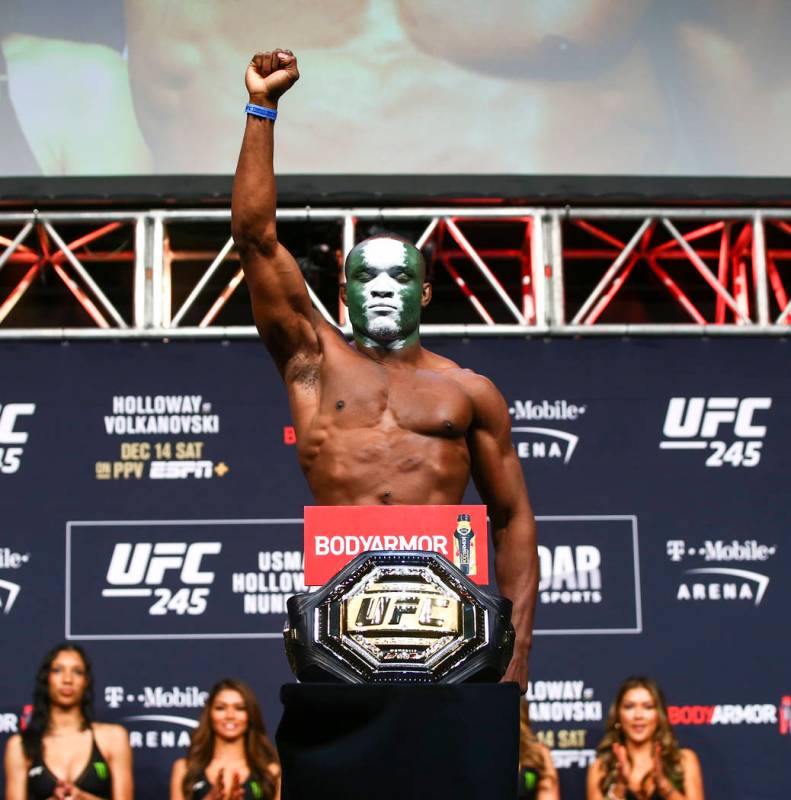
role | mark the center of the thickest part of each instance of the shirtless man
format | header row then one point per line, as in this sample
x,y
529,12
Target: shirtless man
x,y
380,421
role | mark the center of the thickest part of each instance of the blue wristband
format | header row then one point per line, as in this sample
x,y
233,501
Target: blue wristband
x,y
261,111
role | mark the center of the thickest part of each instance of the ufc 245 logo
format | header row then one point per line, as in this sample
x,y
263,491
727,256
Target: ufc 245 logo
x,y
11,434
139,570
730,427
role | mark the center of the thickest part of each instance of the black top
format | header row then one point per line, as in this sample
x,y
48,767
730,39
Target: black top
x,y
94,779
253,789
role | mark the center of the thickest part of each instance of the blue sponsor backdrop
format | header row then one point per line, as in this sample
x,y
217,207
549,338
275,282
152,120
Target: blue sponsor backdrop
x,y
151,496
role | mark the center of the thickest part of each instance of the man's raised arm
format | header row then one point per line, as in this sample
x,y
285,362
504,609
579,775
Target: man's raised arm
x,y
281,307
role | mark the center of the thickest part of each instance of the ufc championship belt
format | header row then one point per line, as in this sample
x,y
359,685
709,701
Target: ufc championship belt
x,y
399,617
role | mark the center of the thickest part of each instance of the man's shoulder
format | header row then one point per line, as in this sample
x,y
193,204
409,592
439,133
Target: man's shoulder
x,y
479,388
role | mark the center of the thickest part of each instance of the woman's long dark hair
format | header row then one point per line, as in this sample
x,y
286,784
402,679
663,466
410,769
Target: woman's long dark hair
x,y
39,718
258,750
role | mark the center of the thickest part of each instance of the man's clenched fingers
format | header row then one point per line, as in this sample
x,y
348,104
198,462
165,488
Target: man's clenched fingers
x,y
270,61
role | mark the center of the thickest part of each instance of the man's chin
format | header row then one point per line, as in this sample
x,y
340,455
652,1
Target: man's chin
x,y
384,331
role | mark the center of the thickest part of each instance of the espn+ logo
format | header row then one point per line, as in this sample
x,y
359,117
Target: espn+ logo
x,y
729,427
11,435
140,569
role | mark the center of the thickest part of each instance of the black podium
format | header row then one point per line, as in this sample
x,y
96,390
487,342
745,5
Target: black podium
x,y
391,742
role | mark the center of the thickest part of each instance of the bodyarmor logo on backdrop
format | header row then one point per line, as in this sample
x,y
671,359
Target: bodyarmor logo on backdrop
x,y
546,441
729,429
138,570
723,582
9,590
724,714
12,435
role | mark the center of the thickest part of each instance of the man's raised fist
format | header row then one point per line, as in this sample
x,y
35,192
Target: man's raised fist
x,y
269,74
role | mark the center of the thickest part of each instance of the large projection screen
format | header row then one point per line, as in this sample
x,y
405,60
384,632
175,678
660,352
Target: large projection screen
x,y
393,87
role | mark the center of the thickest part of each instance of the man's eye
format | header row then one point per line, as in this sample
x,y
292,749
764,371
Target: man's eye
x,y
403,277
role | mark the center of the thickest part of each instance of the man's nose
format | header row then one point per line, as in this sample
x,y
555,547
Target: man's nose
x,y
382,287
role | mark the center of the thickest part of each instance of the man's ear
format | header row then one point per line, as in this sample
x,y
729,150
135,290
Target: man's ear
x,y
425,298
343,294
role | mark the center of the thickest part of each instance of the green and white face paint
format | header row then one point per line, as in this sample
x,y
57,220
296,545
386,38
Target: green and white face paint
x,y
384,288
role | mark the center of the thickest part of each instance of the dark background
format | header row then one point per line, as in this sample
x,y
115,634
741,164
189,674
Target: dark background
x,y
703,652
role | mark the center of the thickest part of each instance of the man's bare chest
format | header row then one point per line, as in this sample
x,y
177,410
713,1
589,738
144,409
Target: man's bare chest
x,y
421,401
357,393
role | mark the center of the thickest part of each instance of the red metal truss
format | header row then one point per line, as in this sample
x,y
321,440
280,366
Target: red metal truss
x,y
65,259
452,242
497,270
719,251
778,259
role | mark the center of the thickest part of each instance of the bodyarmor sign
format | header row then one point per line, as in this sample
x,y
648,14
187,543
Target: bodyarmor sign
x,y
334,535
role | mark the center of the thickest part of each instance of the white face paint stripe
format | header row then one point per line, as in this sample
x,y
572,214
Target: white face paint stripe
x,y
386,284
383,253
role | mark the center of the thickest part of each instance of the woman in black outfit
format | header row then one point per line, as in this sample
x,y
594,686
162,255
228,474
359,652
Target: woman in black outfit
x,y
639,757
230,756
63,753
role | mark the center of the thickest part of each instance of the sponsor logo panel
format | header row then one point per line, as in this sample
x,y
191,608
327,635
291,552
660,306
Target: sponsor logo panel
x,y
10,723
590,575
776,715
566,716
729,431
181,579
14,434
334,535
160,437
11,565
785,715
540,429
157,717
733,570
